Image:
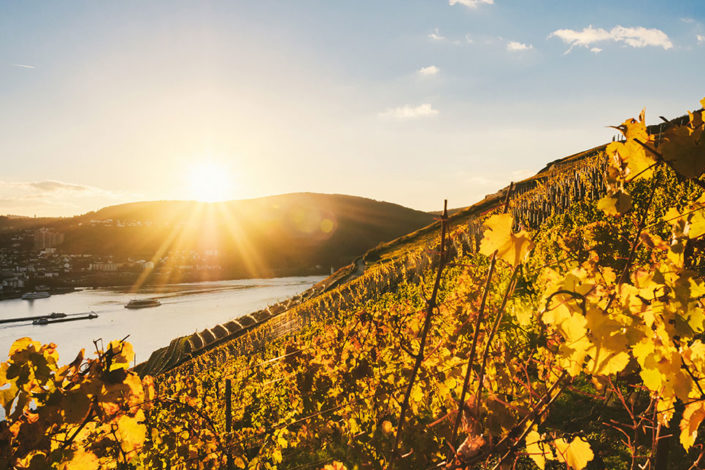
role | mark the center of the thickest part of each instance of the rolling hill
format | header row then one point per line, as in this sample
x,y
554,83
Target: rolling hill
x,y
269,236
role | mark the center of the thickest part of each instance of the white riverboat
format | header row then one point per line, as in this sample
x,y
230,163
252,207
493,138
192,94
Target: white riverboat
x,y
36,295
143,303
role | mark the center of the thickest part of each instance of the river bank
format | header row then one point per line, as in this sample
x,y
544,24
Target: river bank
x,y
17,294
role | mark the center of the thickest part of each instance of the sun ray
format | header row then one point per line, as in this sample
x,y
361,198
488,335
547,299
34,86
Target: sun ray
x,y
155,259
253,263
185,236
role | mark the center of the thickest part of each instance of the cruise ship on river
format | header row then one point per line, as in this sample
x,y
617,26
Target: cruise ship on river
x,y
143,303
36,295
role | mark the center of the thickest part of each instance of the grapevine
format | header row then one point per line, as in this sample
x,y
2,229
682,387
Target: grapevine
x,y
561,329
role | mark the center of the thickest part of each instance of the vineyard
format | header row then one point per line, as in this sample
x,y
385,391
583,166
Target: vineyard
x,y
556,324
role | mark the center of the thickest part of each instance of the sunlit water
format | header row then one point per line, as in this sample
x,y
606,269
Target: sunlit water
x,y
185,308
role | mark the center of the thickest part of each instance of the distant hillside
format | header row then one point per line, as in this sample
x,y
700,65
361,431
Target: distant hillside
x,y
256,237
18,222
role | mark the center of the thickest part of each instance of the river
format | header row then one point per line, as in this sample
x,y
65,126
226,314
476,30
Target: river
x,y
185,308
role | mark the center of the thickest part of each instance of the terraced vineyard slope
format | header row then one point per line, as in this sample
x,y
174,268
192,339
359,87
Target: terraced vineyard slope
x,y
556,324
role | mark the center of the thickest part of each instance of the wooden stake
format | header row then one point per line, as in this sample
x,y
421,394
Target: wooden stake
x,y
228,417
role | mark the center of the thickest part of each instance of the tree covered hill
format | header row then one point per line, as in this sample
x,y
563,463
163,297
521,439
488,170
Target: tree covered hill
x,y
266,236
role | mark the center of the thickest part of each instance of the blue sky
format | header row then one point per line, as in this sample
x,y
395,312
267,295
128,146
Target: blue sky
x,y
405,101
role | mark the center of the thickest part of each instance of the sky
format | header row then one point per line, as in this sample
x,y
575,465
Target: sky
x,y
406,101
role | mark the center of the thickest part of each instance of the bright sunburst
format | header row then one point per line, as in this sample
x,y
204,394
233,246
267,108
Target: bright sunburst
x,y
209,182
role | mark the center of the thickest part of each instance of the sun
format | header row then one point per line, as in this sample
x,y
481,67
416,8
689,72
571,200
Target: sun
x,y
209,182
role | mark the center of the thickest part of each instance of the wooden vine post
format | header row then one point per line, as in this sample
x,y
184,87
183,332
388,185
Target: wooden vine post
x,y
228,418
430,306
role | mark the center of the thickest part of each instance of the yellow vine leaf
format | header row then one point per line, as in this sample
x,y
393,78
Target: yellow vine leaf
x,y
684,149
7,397
634,155
112,395
498,236
22,344
676,253
556,314
277,455
615,204
695,354
335,466
3,373
417,394
693,415
682,385
82,460
690,222
651,376
131,432
535,449
697,225
643,349
123,354
149,391
576,454
523,313
636,129
572,356
573,328
609,349
579,281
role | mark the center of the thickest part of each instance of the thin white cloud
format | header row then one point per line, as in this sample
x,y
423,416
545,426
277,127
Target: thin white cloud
x,y
468,38
470,3
429,71
688,20
630,36
24,66
52,197
642,37
515,46
51,186
596,50
584,38
42,188
700,38
436,35
409,112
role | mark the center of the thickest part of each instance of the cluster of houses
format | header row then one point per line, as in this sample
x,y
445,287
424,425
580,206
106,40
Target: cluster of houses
x,y
33,257
115,223
29,258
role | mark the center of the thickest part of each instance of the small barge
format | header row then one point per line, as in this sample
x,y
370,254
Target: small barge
x,y
51,316
48,321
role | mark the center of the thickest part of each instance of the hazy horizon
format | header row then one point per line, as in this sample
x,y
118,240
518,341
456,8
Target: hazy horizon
x,y
196,201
